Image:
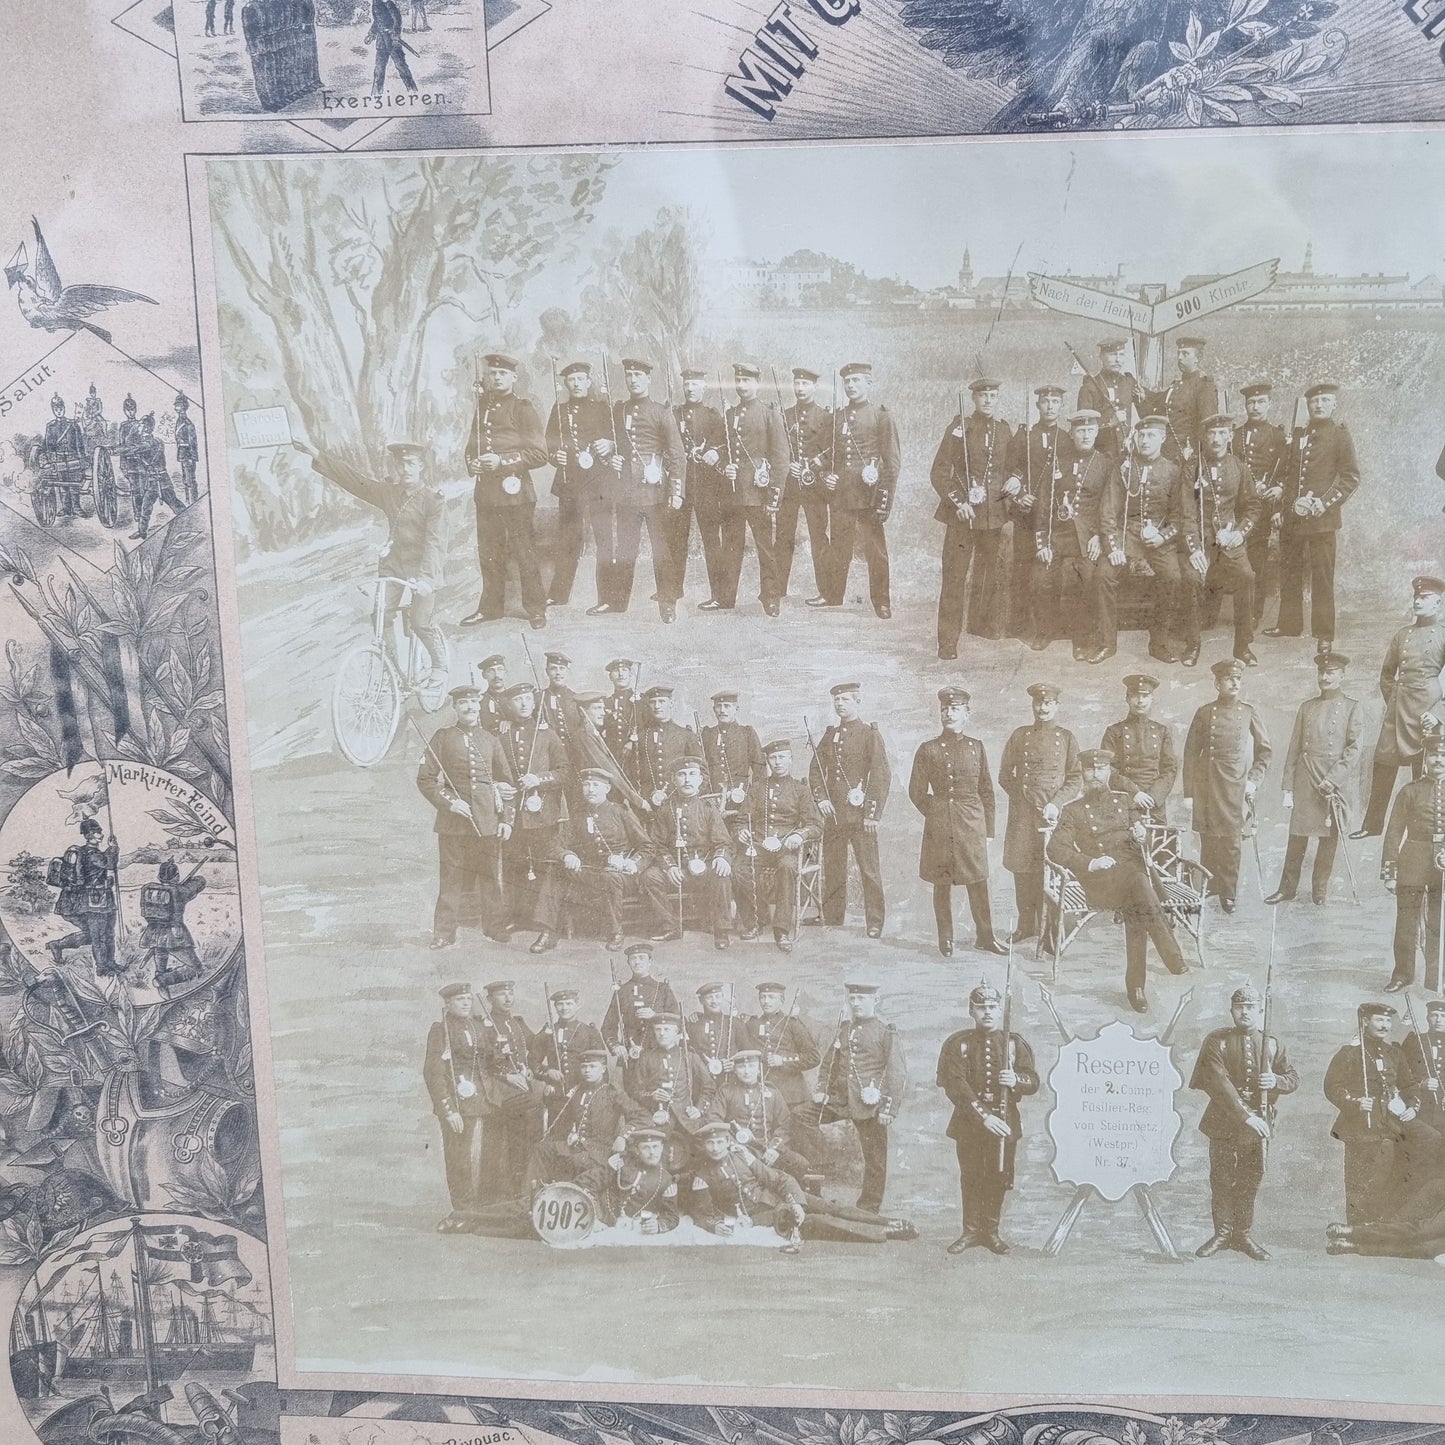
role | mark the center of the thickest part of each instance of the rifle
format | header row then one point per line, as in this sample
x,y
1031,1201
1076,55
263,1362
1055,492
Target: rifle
x,y
1365,1077
1422,1045
607,396
727,425
830,479
442,774
1266,1061
1008,1048
769,1039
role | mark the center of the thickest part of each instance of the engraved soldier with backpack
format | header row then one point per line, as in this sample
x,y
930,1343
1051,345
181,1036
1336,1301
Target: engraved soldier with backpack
x,y
165,939
88,900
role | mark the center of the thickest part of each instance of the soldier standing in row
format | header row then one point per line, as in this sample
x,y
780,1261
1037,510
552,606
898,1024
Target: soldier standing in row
x,y
188,449
704,444
732,755
578,421
1035,464
538,764
1142,750
1113,393
62,445
452,1072
559,1049
620,723
512,1089
493,701
1421,1064
1100,839
789,1052
985,1071
557,703
1244,1071
152,478
950,785
1410,685
713,1032
777,821
464,774
863,1081
809,430
1261,445
969,471
861,481
1320,474
1319,769
660,745
850,778
505,444
1226,753
626,1024
1039,773
1410,869
1187,401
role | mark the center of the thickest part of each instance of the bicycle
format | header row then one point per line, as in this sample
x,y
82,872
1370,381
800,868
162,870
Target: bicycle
x,y
377,677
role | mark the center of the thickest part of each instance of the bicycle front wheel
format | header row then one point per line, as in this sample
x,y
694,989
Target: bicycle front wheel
x,y
365,705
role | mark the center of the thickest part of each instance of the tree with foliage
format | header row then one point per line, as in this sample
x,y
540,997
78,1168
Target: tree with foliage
x,y
27,891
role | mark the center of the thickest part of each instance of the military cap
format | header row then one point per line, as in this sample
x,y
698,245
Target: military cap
x,y
772,987
861,988
501,360
618,662
708,988
1331,659
149,419
404,448
693,373
985,993
1245,993
804,373
89,825
182,400
728,694
574,367
517,689
1426,584
1140,682
561,993
500,986
743,1055
593,1056
494,659
747,368
1044,691
685,764
857,368
594,775
1152,423
463,691
1256,388
950,695
713,1130
633,363
633,949
1219,419
1227,667
1190,343
560,658
1322,388
666,1018
642,1134
1093,757
779,745
984,383
1048,391
657,690
1085,416
1434,1006
588,697
839,687
1372,1010
1111,343
454,990
127,405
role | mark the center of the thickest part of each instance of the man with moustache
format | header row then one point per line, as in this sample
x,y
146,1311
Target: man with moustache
x,y
1113,393
578,422
732,754
1187,401
809,430
1261,446
1142,750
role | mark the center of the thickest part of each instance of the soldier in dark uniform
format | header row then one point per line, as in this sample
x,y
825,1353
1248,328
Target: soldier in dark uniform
x,y
649,471
863,1080
385,33
493,670
1410,869
1261,446
587,749
1136,522
587,1125
850,777
638,1193
757,1114
505,443
1039,773
464,774
557,703
1186,402
789,1052
985,1071
809,429
670,1080
704,443
860,480
661,745
600,852
63,446
1363,1083
452,1071
1067,549
1035,466
1100,840
620,725
1142,750
714,1031
1422,1059
416,541
188,450
515,1094
1319,775
88,899
538,765
1410,680
165,939
626,1024
1320,473
1216,510
755,469
1244,1072
1113,393
129,446
559,1049
577,422
732,754
153,479
969,471
1226,753
951,787
777,820
691,854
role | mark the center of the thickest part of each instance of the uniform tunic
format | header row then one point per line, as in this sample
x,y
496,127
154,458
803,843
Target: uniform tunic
x,y
788,1037
973,454
557,1047
416,539
969,1064
452,1072
1410,685
734,759
572,427
1321,462
650,446
1226,747
1186,404
1215,494
1113,395
507,425
867,440
1040,765
757,445
660,747
1415,830
851,755
1139,492
1324,747
622,1024
951,787
463,763
1144,760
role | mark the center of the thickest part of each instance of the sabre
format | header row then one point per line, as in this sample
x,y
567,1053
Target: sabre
x,y
1421,1044
1365,1076
1184,1002
1048,999
1337,816
1266,1060
1252,818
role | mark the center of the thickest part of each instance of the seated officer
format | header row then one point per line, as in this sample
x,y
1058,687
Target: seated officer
x,y
778,818
691,856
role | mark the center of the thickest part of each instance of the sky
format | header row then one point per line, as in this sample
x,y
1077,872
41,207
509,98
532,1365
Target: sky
x,y
1164,207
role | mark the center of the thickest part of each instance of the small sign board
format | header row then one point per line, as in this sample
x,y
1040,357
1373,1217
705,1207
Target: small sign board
x,y
266,426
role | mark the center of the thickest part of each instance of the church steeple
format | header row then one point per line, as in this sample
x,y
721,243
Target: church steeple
x,y
1308,268
965,272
